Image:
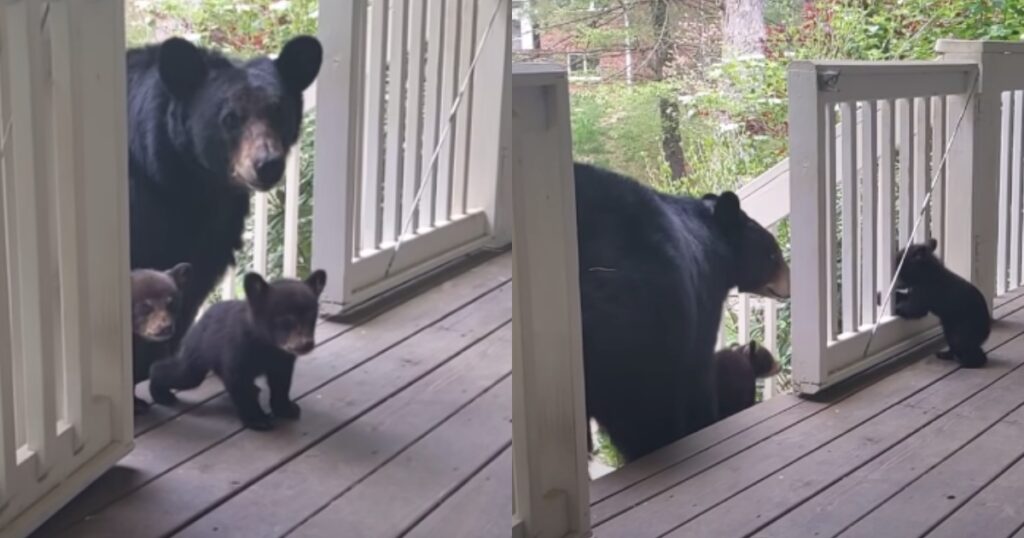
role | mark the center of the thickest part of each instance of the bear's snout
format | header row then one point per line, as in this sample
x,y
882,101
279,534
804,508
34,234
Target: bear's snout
x,y
269,170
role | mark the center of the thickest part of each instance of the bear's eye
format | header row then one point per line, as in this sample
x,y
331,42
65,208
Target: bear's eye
x,y
231,121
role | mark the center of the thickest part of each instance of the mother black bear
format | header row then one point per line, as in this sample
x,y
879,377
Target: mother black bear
x,y
655,270
204,131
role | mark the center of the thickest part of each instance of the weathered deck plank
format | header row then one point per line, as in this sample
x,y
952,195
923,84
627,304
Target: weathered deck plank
x,y
298,489
207,426
684,492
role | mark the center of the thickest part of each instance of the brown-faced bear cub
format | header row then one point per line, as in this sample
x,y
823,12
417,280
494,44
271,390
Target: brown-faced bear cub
x,y
737,369
245,339
926,286
156,305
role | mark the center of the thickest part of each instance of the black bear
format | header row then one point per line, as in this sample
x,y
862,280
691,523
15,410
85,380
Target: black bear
x,y
926,286
655,270
156,305
205,130
243,340
738,368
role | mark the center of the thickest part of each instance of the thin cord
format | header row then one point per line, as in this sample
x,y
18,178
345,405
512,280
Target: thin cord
x,y
443,137
920,214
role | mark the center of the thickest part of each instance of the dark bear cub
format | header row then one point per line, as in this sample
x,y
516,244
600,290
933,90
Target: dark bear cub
x,y
926,286
245,339
156,306
738,368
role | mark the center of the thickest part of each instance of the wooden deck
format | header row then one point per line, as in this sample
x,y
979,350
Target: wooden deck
x,y
921,448
405,430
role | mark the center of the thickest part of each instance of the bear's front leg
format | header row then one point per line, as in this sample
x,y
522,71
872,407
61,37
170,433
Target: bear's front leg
x,y
245,395
279,380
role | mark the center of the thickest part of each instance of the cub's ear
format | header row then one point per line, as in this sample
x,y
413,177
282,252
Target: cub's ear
x,y
255,288
932,244
727,209
299,62
180,274
316,281
751,349
182,68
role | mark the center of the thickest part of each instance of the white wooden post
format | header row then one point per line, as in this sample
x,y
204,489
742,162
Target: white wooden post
x,y
549,422
338,127
972,227
808,206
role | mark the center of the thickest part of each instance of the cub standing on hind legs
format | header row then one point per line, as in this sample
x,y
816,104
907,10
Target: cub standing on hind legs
x,y
926,286
245,339
156,305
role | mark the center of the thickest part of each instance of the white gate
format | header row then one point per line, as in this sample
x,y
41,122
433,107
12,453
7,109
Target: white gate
x,y
65,409
392,71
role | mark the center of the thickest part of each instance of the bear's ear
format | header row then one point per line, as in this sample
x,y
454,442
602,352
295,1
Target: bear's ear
x,y
751,349
255,288
182,68
932,244
316,281
727,209
299,62
180,274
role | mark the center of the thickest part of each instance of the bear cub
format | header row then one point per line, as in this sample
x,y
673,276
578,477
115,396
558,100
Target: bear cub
x,y
244,339
738,368
925,286
156,307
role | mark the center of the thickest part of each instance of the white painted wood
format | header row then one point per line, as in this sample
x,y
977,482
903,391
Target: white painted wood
x,y
432,108
449,86
1014,137
771,343
337,173
414,126
549,422
922,166
850,221
809,127
292,193
887,194
868,81
869,217
394,152
259,234
371,215
832,250
8,441
1004,280
461,134
905,123
938,147
743,312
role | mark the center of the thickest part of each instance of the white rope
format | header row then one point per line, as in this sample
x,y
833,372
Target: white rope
x,y
444,136
920,213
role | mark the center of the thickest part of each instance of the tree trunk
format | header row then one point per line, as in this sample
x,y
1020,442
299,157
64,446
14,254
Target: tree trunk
x,y
668,107
743,29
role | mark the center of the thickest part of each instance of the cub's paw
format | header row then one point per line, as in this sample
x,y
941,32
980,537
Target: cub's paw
x,y
946,355
258,423
288,410
161,395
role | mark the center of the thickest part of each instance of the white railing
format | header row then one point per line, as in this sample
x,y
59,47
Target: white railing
x,y
856,200
392,73
65,373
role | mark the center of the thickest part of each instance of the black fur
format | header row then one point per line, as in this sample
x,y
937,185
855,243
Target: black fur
x,y
738,368
926,286
243,340
187,107
654,273
156,305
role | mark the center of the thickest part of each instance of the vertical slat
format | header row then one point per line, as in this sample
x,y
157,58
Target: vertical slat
x,y
886,194
227,285
432,110
771,343
449,87
743,320
461,134
67,182
259,233
394,163
8,441
415,115
1005,190
37,306
373,172
906,169
922,166
1016,192
850,299
938,147
831,250
869,205
292,192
